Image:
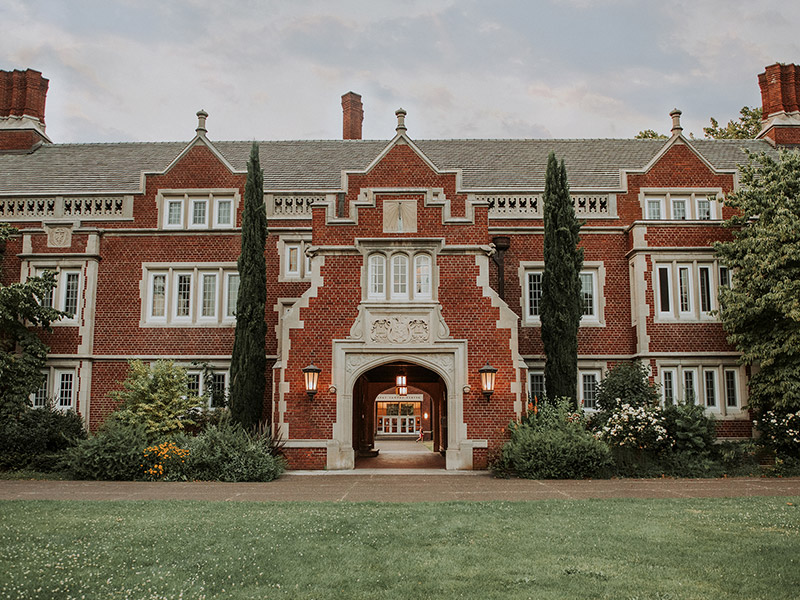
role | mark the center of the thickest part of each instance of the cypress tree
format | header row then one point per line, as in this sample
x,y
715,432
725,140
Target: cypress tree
x,y
561,307
248,361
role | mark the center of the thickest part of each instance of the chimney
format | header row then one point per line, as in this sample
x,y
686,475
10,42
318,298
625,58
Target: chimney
x,y
780,104
676,122
22,99
352,116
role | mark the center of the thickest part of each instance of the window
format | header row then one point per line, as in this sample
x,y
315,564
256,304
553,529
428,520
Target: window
x,y
588,389
399,276
664,292
295,262
654,212
66,294
39,397
211,386
689,395
588,294
537,389
61,385
232,294
694,290
680,206
731,388
705,289
710,387
422,276
190,295
376,275
724,277
534,293
668,386
292,268
197,209
684,290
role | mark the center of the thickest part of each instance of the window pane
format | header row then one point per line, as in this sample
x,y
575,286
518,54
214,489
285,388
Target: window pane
x,y
184,296
705,289
233,293
663,288
40,397
218,381
174,212
684,289
47,299
679,208
703,209
159,296
534,294
537,386
587,294
724,277
224,212
376,275
688,387
710,388
199,212
65,388
731,390
422,276
399,276
193,383
669,387
654,209
292,260
71,294
589,390
209,295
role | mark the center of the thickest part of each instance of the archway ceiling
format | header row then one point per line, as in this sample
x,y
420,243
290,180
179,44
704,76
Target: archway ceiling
x,y
387,373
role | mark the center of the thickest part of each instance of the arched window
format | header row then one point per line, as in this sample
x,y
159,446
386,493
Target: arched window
x,y
422,276
376,274
400,276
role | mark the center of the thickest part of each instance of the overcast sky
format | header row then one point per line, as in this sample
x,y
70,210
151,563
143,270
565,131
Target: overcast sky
x,y
139,70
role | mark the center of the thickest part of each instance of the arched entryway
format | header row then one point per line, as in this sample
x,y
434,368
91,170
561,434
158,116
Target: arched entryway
x,y
400,430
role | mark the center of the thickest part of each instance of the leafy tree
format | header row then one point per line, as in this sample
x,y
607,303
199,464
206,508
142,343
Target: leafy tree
x,y
761,311
627,382
156,397
22,353
561,288
649,134
248,361
747,127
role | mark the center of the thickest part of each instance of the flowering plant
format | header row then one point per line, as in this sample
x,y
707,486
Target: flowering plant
x,y
163,462
634,427
781,432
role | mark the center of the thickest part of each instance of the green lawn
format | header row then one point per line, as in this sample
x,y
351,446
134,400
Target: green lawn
x,y
745,548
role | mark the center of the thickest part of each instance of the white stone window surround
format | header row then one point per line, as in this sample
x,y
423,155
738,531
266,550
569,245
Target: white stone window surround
x,y
421,280
691,199
173,314
585,377
69,275
728,384
703,287
295,263
594,268
60,386
199,209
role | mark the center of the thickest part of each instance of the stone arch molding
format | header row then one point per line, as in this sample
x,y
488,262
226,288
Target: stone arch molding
x,y
351,359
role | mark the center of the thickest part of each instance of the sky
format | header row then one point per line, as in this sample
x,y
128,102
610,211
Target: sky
x,y
139,70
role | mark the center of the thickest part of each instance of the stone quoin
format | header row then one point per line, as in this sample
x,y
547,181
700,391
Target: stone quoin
x,y
386,259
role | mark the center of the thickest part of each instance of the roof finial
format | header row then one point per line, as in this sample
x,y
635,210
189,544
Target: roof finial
x,y
201,122
401,120
676,121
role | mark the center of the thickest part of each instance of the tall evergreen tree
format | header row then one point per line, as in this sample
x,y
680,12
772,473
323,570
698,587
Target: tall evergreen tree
x,y
249,361
561,288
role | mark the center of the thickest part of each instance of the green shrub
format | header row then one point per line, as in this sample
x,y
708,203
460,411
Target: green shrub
x,y
691,431
35,437
553,443
636,427
113,453
626,382
737,458
225,452
780,432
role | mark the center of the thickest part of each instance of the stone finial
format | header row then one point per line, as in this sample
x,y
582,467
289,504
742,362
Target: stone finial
x,y
401,120
201,122
676,121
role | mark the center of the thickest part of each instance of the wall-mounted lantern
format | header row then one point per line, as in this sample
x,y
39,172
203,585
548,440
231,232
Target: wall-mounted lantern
x,y
488,374
311,377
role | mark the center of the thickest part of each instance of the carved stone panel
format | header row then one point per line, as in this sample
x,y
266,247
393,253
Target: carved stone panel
x,y
59,236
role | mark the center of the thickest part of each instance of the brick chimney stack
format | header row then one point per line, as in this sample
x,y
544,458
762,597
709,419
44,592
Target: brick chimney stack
x,y
352,116
22,99
780,104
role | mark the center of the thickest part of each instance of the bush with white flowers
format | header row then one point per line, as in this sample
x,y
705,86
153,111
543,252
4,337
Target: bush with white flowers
x,y
630,426
781,432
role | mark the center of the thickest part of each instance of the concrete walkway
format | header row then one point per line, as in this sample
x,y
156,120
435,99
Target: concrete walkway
x,y
390,485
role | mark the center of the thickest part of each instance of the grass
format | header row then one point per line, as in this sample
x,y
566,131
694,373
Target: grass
x,y
620,549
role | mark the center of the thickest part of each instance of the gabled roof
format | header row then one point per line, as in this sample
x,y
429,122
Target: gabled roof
x,y
513,164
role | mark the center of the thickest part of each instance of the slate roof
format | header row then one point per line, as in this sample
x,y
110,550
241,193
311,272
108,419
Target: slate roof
x,y
317,164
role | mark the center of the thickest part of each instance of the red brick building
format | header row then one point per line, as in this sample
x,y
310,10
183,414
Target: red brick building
x,y
410,257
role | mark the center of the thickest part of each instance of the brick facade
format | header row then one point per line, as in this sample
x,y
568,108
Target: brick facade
x,y
151,264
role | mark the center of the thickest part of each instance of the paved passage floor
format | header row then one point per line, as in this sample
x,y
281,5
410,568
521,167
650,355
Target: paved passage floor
x,y
390,485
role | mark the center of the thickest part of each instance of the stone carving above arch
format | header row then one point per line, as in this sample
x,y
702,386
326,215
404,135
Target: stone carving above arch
x,y
399,330
399,324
